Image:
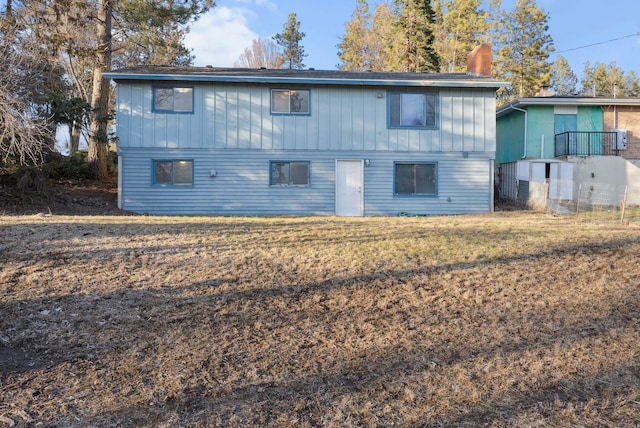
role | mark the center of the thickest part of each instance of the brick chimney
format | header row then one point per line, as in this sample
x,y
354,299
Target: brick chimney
x,y
479,61
545,91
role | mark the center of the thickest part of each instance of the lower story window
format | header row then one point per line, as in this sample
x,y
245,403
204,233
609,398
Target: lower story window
x,y
416,179
173,171
289,173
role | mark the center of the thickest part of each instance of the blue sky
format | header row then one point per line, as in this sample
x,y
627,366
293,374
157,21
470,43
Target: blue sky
x,y
221,36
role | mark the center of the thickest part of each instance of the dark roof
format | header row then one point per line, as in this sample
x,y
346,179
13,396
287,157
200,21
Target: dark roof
x,y
316,77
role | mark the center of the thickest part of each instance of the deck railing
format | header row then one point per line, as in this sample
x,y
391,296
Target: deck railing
x,y
583,143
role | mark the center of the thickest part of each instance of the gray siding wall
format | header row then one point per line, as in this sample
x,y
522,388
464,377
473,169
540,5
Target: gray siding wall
x,y
233,132
228,116
241,185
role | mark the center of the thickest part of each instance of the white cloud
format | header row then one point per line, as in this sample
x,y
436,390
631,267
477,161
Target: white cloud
x,y
266,3
219,37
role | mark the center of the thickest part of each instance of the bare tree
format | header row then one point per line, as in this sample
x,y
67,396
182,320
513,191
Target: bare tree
x,y
263,53
27,81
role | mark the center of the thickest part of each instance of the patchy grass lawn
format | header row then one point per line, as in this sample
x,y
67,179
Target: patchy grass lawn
x,y
498,320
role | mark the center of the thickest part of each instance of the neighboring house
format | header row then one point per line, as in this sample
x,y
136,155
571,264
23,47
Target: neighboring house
x,y
305,142
565,142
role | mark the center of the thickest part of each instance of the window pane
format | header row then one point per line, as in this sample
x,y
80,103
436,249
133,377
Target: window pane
x,y
280,101
404,179
163,172
430,114
163,98
426,179
279,173
183,172
413,110
183,99
299,101
299,173
394,107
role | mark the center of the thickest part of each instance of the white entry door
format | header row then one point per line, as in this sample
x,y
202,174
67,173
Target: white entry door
x,y
349,188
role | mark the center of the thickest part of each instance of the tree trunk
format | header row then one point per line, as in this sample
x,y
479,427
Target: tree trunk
x,y
99,115
74,137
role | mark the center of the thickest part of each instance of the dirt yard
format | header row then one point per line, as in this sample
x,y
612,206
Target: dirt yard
x,y
507,319
63,197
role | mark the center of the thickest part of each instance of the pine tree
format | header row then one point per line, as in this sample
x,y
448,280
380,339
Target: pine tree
x,y
523,46
413,41
603,81
460,26
368,39
155,31
563,79
379,38
631,85
90,37
289,40
99,113
353,50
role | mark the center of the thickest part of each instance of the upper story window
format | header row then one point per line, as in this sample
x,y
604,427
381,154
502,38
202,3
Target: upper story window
x,y
285,101
172,99
412,110
173,172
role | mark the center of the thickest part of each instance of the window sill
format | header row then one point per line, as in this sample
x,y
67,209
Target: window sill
x,y
415,195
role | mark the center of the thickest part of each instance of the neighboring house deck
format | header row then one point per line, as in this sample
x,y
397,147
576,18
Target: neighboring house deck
x,y
306,142
590,143
568,141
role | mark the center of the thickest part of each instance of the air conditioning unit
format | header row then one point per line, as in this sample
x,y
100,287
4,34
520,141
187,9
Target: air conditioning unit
x,y
620,142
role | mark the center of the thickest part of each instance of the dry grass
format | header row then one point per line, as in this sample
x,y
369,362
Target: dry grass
x,y
500,320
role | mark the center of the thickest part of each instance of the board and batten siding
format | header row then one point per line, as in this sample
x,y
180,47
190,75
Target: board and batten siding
x,y
232,116
233,133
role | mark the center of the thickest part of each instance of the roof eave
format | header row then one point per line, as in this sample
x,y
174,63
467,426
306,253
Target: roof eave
x,y
480,83
566,101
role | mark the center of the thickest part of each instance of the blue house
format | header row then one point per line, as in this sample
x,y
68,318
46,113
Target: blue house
x,y
548,146
218,141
